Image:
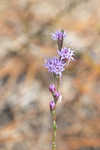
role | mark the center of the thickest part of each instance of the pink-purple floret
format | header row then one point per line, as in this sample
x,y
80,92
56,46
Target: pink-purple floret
x,y
66,54
55,65
58,35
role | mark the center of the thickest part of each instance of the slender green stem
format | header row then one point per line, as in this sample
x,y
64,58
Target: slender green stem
x,y
54,130
58,83
54,120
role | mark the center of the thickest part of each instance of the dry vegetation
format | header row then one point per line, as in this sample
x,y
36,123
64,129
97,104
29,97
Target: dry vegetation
x,y
25,27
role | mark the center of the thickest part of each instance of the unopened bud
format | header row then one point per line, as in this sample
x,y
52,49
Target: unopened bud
x,y
52,105
52,88
56,96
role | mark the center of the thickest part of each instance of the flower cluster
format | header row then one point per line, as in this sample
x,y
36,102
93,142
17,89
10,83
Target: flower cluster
x,y
66,54
56,64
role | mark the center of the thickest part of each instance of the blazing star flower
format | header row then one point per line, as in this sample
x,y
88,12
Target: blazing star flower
x,y
58,35
52,105
55,66
66,54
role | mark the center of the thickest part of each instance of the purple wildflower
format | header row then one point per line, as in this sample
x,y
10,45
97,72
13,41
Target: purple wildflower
x,y
58,35
52,105
55,66
66,54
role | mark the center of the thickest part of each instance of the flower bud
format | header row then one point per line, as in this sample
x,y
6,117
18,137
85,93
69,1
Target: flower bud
x,y
56,96
52,88
52,105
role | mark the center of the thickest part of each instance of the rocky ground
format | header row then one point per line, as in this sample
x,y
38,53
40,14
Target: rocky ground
x,y
25,29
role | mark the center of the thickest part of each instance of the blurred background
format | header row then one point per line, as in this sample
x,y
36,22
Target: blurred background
x,y
25,41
